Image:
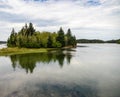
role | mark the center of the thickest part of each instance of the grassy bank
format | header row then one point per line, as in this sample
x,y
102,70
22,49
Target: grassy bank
x,y
16,50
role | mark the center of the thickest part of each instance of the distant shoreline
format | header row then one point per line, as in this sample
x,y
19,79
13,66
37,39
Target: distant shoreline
x,y
97,41
3,42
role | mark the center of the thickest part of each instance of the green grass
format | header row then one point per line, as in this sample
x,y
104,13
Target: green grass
x,y
16,50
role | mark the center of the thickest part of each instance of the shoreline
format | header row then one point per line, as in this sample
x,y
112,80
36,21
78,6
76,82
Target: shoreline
x,y
16,50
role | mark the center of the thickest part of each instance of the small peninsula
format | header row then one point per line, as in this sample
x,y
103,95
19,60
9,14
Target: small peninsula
x,y
28,40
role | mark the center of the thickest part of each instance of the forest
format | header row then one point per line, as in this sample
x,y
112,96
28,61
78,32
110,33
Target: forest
x,y
97,41
28,37
2,42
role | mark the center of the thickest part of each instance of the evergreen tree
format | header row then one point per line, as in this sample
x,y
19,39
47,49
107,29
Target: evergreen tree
x,y
12,40
31,29
73,39
49,43
22,31
69,37
69,33
26,32
60,37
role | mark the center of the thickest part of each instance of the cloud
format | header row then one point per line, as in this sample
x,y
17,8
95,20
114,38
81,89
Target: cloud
x,y
82,16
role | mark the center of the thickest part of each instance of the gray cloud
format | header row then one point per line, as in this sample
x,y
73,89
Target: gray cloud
x,y
9,17
82,16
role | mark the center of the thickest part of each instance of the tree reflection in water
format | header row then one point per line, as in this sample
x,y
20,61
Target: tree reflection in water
x,y
28,61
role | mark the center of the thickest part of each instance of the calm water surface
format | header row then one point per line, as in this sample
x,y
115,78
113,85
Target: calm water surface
x,y
91,71
3,45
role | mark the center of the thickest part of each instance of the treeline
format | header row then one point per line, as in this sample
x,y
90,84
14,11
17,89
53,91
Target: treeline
x,y
113,41
89,41
97,41
3,42
28,37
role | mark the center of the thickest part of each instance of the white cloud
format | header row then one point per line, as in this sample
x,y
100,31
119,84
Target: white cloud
x,y
99,16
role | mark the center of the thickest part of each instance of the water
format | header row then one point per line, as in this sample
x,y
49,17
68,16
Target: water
x,y
90,70
3,46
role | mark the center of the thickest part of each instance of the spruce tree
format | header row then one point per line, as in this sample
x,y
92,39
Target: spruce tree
x,y
60,37
31,29
69,37
12,40
26,30
49,43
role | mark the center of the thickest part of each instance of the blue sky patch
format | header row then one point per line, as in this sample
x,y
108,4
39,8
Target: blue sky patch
x,y
93,2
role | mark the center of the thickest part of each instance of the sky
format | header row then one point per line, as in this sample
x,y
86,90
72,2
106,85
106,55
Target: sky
x,y
89,19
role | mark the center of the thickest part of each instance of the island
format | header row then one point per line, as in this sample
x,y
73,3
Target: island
x,y
28,40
